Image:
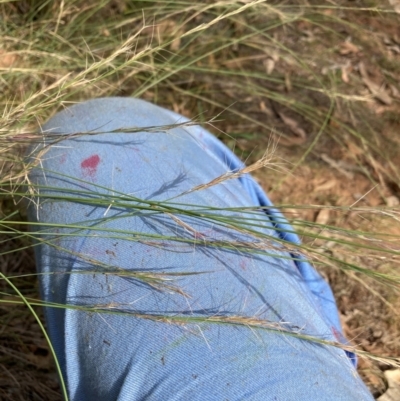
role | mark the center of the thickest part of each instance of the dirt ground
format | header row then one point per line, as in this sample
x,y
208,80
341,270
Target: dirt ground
x,y
329,178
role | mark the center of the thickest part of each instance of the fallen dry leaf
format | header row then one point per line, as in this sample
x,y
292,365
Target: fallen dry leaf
x,y
381,109
346,70
393,391
176,43
269,64
323,216
326,185
345,76
348,48
396,5
293,126
392,201
170,28
7,59
353,149
376,90
395,91
266,109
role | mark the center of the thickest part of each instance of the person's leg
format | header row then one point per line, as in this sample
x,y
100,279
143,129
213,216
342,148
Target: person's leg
x,y
102,227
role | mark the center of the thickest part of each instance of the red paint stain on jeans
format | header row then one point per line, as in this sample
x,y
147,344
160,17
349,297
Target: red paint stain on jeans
x,y
336,333
63,158
90,164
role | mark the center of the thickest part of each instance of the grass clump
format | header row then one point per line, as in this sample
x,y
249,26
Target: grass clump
x,y
321,80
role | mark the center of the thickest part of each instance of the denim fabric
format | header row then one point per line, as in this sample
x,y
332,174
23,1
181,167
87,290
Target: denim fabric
x,y
122,356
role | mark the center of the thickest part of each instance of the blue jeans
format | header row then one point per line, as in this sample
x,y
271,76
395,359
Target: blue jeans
x,y
106,242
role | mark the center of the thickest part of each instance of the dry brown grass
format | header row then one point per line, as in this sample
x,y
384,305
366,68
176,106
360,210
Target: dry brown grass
x,y
321,80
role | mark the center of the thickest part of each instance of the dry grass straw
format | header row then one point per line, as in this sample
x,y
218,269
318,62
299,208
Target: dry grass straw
x,y
260,68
